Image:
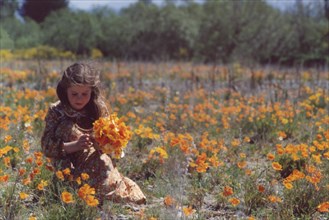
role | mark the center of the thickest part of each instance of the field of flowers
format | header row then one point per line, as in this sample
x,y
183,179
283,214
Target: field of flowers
x,y
208,142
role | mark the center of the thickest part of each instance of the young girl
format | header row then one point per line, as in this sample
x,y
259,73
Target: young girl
x,y
67,138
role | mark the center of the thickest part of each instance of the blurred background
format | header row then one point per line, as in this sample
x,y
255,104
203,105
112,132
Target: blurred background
x,y
282,32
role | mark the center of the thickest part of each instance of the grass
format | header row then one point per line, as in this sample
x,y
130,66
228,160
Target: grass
x,y
232,146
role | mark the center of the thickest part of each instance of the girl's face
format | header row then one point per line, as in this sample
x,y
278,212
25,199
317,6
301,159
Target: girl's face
x,y
78,96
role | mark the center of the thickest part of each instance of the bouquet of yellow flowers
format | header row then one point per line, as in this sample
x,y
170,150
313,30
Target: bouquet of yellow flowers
x,y
112,134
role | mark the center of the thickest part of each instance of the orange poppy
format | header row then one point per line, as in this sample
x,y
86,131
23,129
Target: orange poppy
x,y
67,197
23,195
84,176
60,175
227,191
261,188
270,156
168,201
234,201
67,171
4,178
276,166
274,199
188,211
85,190
323,207
91,201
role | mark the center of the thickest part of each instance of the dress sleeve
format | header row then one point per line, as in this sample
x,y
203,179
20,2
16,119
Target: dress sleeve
x,y
52,145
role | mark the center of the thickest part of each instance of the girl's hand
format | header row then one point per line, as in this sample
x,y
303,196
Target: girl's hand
x,y
85,141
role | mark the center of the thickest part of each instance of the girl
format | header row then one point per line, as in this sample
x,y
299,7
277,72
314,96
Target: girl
x,y
67,138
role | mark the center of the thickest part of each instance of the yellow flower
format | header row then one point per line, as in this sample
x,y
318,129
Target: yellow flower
x,y
67,197
112,134
23,195
38,154
60,175
85,190
32,218
5,150
168,201
42,185
288,184
6,161
323,207
227,191
317,158
78,180
270,156
276,166
188,211
26,145
234,201
29,160
91,201
246,139
235,142
200,163
4,178
274,199
26,181
326,155
248,172
282,135
84,176
215,162
7,138
67,171
158,152
279,149
261,188
242,164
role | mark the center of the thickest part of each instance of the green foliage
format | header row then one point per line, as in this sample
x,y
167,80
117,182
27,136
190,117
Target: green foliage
x,y
24,35
64,30
214,31
5,41
236,30
116,33
152,26
8,8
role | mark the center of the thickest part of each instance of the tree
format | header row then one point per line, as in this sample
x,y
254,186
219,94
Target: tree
x,y
76,31
5,41
241,30
8,8
142,17
23,34
177,30
326,11
116,33
309,28
166,32
146,2
38,10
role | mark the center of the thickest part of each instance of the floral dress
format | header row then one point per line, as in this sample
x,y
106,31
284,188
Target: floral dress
x,y
63,124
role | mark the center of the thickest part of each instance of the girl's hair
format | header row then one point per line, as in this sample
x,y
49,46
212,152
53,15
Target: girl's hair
x,y
82,74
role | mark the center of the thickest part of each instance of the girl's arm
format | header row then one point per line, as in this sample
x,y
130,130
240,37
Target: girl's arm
x,y
55,132
52,145
82,143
